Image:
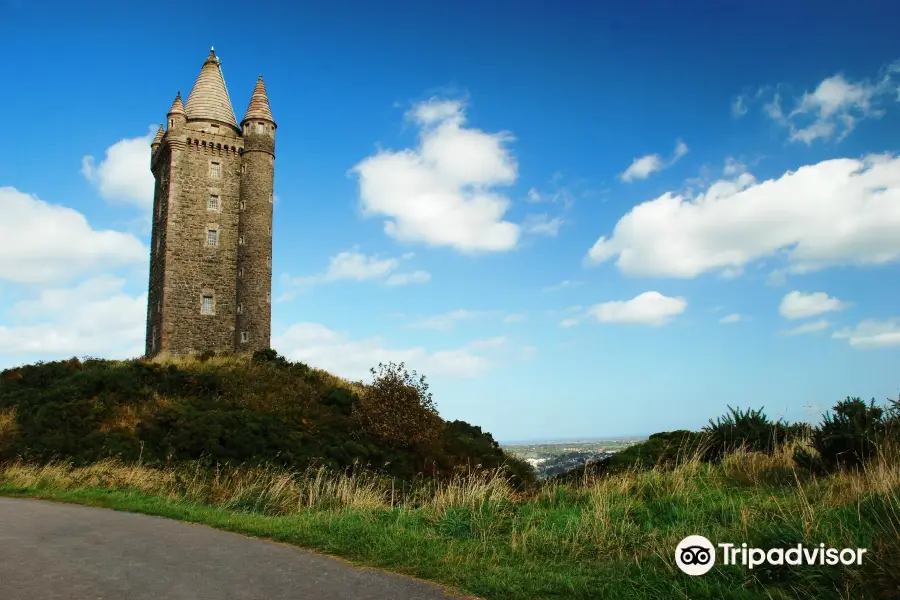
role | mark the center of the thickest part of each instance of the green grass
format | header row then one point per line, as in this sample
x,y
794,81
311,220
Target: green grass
x,y
599,538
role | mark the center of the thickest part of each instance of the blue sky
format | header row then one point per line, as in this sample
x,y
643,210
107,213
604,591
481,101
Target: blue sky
x,y
581,222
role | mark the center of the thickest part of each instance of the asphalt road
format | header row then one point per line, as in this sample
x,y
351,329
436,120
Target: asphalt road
x,y
54,551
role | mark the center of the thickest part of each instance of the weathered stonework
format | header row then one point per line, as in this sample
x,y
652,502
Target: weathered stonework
x,y
212,177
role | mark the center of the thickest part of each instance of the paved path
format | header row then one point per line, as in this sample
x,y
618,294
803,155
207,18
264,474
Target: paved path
x,y
54,551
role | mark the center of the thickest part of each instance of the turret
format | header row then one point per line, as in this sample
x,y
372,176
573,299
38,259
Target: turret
x,y
255,223
177,116
154,145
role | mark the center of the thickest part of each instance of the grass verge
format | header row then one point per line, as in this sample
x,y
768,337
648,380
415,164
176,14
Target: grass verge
x,y
611,537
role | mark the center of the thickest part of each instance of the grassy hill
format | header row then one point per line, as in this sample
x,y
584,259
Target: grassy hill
x,y
236,410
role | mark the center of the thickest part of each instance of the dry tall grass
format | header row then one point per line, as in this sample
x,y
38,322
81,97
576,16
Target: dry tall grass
x,y
608,514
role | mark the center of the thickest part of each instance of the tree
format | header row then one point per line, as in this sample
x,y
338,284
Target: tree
x,y
397,408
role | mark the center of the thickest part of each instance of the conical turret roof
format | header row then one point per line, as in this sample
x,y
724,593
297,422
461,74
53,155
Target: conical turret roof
x,y
209,98
259,103
177,106
159,135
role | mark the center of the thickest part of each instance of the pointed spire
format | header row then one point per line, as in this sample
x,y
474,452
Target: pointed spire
x,y
209,99
259,103
177,106
159,135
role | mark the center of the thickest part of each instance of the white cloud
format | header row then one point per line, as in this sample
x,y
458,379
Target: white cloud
x,y
445,321
124,175
95,318
649,308
353,265
797,305
565,283
738,107
643,167
443,193
398,279
515,318
836,212
357,266
335,352
44,242
811,327
871,334
833,108
543,225
732,318
733,167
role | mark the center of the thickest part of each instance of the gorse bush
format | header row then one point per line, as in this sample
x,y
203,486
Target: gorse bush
x,y
750,430
849,437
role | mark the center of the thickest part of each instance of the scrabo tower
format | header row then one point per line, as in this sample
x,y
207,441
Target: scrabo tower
x,y
211,248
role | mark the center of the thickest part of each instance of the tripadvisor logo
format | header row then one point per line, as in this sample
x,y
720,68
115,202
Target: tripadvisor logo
x,y
696,555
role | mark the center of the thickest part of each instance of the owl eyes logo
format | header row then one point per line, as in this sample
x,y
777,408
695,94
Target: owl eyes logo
x,y
695,555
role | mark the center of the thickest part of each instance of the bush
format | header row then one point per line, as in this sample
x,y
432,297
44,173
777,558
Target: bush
x,y
397,408
749,430
849,435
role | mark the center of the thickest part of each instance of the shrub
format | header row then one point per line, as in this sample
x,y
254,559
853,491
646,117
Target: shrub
x,y
749,430
397,408
269,356
849,435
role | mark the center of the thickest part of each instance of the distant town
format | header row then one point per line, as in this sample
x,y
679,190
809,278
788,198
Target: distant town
x,y
554,458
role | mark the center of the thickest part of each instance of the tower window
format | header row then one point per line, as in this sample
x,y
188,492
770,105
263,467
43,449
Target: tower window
x,y
269,262
158,306
215,170
241,240
240,272
245,337
157,246
171,123
270,230
260,128
271,197
213,203
268,297
207,306
212,237
242,205
153,339
240,308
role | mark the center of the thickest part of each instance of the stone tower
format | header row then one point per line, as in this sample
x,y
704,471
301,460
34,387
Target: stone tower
x,y
211,247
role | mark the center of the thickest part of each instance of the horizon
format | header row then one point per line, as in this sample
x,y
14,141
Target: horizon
x,y
571,223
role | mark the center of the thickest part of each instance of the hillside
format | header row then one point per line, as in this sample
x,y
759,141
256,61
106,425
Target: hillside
x,y
236,410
